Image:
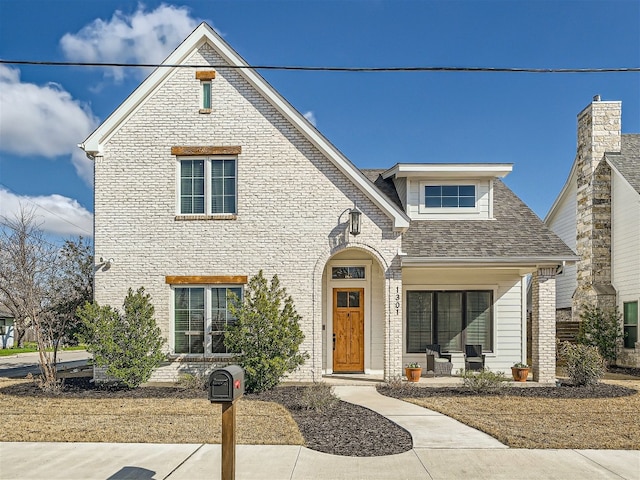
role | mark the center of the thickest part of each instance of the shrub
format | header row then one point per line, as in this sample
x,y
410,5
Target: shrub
x,y
482,381
266,333
193,381
585,365
602,329
318,396
129,344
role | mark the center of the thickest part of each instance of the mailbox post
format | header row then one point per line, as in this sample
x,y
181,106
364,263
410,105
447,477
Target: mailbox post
x,y
226,385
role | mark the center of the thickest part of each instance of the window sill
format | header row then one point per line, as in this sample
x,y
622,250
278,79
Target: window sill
x,y
199,357
205,111
187,218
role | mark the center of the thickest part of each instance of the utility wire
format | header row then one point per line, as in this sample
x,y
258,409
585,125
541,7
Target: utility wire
x,y
46,210
329,69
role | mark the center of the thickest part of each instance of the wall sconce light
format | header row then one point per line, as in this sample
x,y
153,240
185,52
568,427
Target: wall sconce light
x,y
106,261
354,221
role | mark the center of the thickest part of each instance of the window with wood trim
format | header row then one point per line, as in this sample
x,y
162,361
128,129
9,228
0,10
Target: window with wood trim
x,y
201,314
207,186
630,322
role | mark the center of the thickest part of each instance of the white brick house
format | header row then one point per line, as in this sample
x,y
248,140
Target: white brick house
x,y
206,175
597,213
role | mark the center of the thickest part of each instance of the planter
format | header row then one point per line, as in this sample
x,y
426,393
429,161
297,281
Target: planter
x,y
520,374
413,374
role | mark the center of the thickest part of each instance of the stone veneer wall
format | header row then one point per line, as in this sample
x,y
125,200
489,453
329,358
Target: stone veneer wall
x,y
599,131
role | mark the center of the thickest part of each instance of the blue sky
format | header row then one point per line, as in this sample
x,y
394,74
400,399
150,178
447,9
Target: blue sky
x,y
376,119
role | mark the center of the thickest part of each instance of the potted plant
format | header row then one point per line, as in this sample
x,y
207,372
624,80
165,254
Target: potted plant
x,y
520,372
413,371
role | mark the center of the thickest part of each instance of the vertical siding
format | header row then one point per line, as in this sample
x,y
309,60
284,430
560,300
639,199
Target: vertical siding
x,y
625,232
563,224
401,188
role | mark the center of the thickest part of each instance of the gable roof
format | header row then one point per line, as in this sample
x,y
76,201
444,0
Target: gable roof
x,y
515,236
627,162
94,144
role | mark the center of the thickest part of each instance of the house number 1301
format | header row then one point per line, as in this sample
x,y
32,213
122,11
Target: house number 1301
x,y
397,300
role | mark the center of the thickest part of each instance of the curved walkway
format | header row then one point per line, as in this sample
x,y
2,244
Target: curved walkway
x,y
428,429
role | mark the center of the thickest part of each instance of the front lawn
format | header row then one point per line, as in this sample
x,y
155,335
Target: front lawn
x,y
31,348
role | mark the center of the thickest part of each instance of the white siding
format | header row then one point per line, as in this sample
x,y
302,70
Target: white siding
x,y
507,320
563,224
416,198
625,234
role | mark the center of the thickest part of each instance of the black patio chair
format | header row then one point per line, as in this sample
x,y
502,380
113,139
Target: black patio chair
x,y
473,357
438,363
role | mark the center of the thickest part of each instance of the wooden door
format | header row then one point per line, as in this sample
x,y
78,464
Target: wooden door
x,y
348,330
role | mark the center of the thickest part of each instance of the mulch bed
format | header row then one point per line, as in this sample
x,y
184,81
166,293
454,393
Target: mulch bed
x,y
341,429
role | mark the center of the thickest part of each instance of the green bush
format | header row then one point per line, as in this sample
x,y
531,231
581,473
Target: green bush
x,y
584,364
129,344
602,329
266,334
193,381
318,396
482,381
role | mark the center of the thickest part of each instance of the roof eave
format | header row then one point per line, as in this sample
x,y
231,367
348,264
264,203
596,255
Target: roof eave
x,y
411,261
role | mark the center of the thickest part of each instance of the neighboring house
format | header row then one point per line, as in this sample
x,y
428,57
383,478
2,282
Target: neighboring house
x,y
205,175
6,328
597,213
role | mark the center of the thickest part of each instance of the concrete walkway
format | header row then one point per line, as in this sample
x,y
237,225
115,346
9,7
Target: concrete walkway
x,y
428,429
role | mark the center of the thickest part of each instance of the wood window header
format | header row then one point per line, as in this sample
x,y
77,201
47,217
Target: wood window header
x,y
206,279
205,74
205,150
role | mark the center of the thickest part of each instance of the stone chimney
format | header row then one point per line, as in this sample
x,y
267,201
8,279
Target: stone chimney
x,y
599,131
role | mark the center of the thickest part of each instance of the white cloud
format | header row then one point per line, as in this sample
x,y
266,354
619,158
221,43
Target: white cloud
x,y
310,116
59,215
42,120
142,37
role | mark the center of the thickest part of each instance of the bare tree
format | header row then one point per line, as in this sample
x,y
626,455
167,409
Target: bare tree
x,y
28,273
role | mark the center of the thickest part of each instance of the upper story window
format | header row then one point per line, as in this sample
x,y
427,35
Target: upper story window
x,y
205,77
208,186
450,196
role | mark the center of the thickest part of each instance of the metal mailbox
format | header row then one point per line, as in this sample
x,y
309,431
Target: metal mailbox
x,y
226,384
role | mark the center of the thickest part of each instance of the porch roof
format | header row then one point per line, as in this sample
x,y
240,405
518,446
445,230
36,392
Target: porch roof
x,y
515,236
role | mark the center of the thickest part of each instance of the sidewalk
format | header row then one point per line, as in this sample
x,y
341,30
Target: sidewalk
x,y
443,449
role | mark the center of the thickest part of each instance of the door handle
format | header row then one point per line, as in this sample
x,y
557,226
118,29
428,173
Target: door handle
x,y
334,341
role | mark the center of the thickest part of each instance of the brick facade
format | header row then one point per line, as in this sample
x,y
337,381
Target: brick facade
x,y
543,328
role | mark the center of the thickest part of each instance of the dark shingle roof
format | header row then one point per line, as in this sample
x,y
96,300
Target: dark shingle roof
x,y
628,161
386,186
516,232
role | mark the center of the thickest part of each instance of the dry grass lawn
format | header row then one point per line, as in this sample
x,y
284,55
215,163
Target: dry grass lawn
x,y
594,423
140,420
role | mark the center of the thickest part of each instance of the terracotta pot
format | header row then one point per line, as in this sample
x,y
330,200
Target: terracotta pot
x,y
413,374
520,374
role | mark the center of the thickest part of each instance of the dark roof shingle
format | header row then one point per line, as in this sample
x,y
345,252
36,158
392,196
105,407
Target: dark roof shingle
x,y
628,161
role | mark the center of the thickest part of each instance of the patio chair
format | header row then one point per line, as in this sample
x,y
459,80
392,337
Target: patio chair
x,y
438,363
473,357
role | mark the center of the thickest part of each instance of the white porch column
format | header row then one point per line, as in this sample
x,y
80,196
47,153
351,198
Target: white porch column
x,y
543,325
393,324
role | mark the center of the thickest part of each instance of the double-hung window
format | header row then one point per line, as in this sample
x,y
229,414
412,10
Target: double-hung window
x,y
630,320
451,319
208,186
201,314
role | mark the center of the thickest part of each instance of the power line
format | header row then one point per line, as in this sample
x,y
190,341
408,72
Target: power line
x,y
46,210
328,69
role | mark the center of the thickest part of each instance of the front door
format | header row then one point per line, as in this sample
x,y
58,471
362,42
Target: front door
x,y
348,330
